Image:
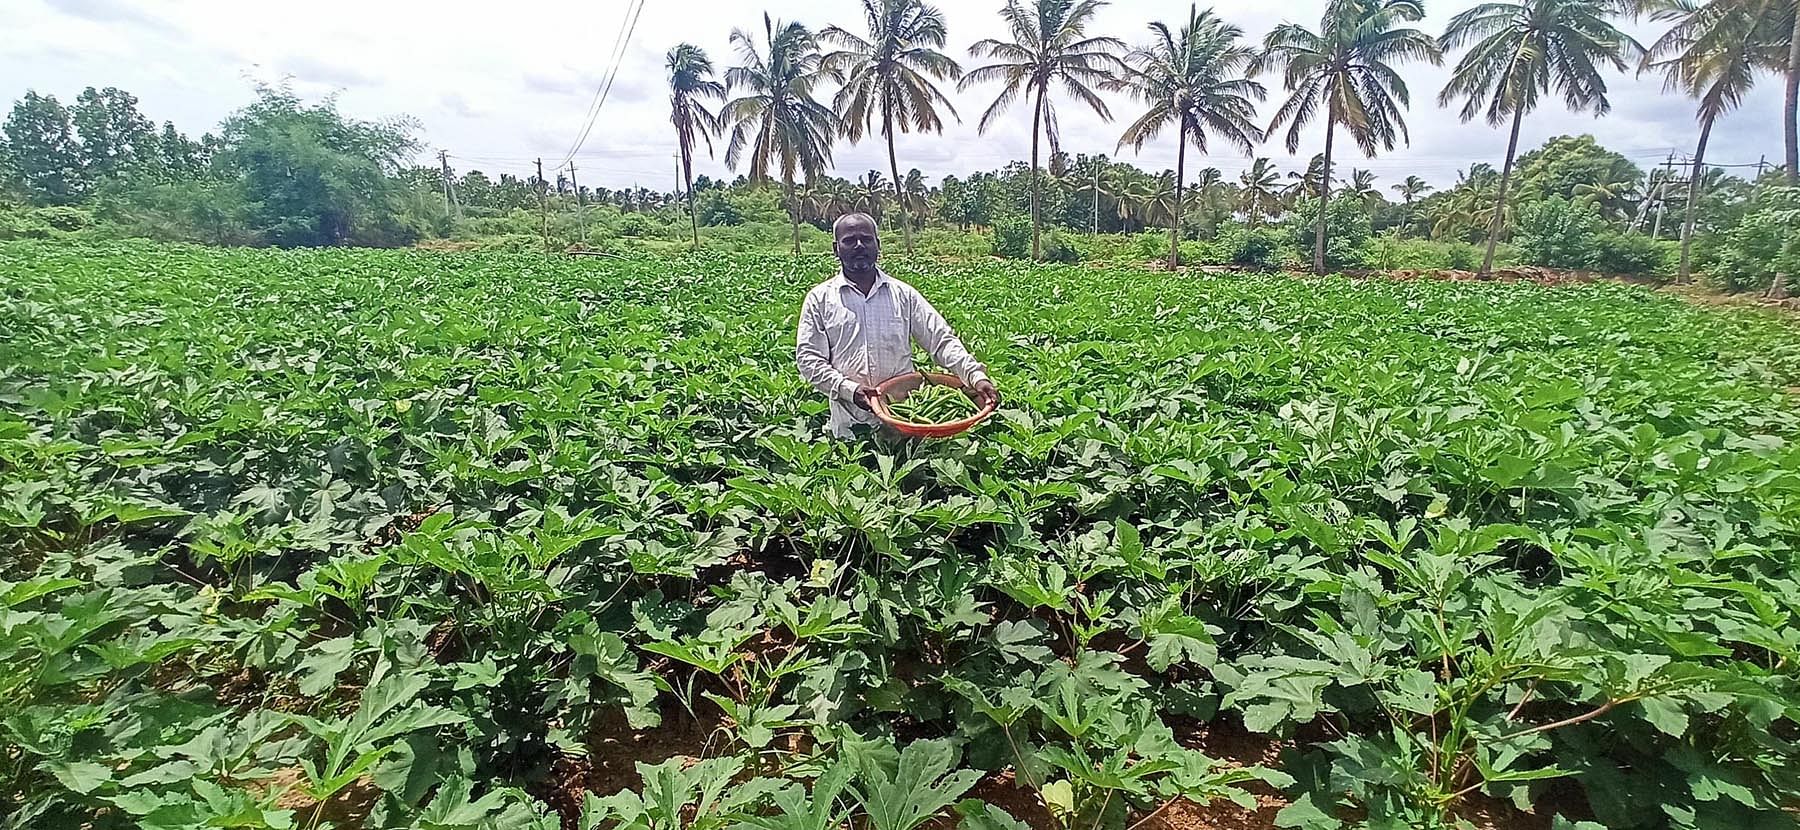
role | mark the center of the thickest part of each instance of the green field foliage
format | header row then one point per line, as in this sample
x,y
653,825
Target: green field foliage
x,y
282,526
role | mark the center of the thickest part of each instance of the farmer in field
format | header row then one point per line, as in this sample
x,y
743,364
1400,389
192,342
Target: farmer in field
x,y
857,330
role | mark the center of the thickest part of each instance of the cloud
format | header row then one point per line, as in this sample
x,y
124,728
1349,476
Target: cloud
x,y
114,12
457,105
316,70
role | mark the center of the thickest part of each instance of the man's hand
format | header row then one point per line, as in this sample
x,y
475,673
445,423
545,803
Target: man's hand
x,y
865,394
984,393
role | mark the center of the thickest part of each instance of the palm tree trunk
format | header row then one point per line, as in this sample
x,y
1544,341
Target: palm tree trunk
x,y
1037,115
1693,196
1175,222
1324,196
787,184
687,173
1790,108
1512,146
899,197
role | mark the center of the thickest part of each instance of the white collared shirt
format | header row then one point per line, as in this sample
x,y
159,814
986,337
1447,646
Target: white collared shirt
x,y
847,339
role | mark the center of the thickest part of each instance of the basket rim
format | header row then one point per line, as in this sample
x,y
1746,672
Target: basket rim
x,y
919,430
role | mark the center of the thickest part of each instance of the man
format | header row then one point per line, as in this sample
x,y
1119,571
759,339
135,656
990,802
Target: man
x,y
857,330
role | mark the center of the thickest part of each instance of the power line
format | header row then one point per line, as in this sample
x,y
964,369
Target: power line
x,y
622,47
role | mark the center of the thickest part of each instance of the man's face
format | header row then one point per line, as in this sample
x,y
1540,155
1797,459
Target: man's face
x,y
857,246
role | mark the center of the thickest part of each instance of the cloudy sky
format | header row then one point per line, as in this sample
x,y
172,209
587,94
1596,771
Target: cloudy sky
x,y
497,84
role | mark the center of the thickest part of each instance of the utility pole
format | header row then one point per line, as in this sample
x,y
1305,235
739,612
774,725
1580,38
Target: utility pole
x,y
451,206
580,219
543,203
1096,196
1662,195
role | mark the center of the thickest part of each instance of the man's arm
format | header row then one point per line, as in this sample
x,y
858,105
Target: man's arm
x,y
933,334
812,356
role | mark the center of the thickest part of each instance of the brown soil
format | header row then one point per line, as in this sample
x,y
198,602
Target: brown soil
x,y
348,809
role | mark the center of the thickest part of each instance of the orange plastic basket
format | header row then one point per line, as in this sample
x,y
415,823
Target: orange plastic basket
x,y
905,384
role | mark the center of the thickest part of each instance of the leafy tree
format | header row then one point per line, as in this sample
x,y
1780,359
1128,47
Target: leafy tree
x,y
888,78
1347,228
1193,79
1049,47
1763,251
690,82
1346,69
43,159
1520,50
1710,54
1558,233
776,118
1571,166
1259,192
116,139
178,157
955,202
310,176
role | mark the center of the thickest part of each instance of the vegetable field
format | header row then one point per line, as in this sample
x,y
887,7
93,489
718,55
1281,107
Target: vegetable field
x,y
393,539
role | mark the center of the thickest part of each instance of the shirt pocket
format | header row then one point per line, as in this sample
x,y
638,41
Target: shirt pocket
x,y
887,332
839,324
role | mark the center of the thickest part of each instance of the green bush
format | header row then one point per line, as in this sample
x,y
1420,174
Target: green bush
x,y
1762,246
1266,248
1347,227
1390,252
1630,253
65,217
1150,244
636,224
1557,233
950,242
1199,252
1462,256
1109,247
1012,237
1057,246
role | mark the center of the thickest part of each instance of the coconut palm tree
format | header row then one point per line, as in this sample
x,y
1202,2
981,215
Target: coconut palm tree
x,y
1259,191
870,191
1302,183
1411,189
1613,198
1049,47
776,118
915,197
1519,50
1195,80
690,82
1711,54
1346,70
1361,187
888,78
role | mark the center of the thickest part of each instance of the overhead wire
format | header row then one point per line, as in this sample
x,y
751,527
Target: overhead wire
x,y
633,11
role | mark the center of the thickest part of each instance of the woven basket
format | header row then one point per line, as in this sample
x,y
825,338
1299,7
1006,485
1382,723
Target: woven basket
x,y
908,383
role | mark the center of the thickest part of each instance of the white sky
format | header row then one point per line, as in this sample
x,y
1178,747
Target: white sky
x,y
499,84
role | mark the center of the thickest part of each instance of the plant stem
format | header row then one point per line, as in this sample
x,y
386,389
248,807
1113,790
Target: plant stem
x,y
1152,814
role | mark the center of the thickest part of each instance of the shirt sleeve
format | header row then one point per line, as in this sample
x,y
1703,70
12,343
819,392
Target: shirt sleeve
x,y
933,334
812,354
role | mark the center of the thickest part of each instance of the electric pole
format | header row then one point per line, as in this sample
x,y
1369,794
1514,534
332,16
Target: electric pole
x,y
451,206
1096,196
579,217
1662,194
543,203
